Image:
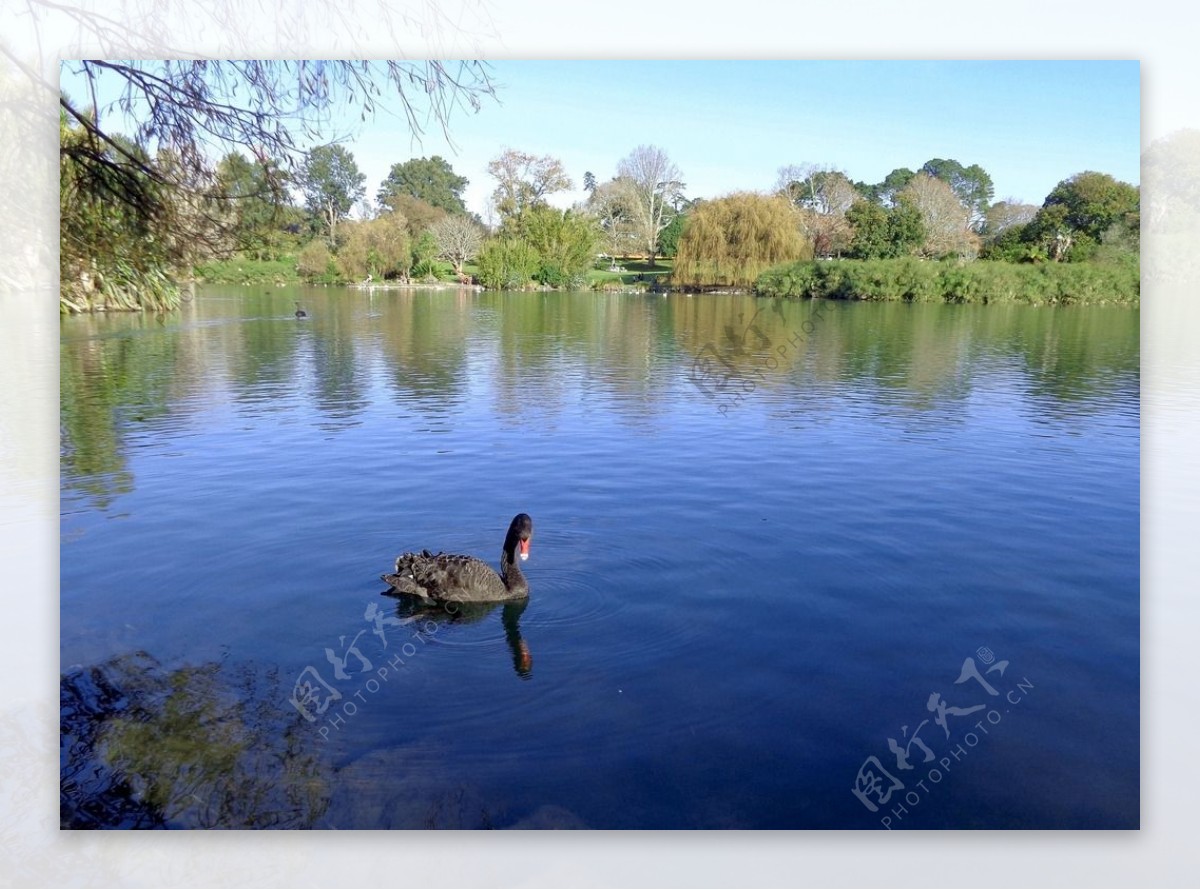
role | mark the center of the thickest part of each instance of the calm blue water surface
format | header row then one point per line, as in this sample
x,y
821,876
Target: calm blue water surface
x,y
735,602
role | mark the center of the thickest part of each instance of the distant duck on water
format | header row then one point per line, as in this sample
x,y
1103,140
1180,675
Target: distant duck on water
x,y
300,313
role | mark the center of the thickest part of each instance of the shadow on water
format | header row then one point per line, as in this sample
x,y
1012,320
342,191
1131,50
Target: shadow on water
x,y
433,618
195,747
214,746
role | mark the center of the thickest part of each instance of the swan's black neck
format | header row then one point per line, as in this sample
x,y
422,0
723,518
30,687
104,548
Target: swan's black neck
x,y
510,572
520,530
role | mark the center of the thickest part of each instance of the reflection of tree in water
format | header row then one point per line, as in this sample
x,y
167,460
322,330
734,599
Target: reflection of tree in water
x,y
264,360
106,383
1074,359
559,341
425,340
197,747
341,390
910,358
123,375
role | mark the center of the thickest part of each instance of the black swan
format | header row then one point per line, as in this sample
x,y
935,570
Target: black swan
x,y
445,577
300,313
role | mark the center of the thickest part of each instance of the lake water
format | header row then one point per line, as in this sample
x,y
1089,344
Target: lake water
x,y
768,538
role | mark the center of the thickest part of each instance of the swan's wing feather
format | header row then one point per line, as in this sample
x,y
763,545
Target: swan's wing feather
x,y
446,576
404,584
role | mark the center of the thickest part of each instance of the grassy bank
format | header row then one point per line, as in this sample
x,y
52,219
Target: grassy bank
x,y
915,281
242,270
633,273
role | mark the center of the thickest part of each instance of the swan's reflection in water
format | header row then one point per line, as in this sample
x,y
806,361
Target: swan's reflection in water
x,y
413,610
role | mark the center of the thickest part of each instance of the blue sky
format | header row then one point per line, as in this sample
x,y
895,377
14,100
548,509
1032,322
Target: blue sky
x,y
730,125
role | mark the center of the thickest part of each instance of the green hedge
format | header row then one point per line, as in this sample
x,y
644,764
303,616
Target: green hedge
x,y
917,281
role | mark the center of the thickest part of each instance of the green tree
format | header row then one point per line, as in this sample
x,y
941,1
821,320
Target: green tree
x,y
1080,214
431,180
258,196
332,184
1052,236
868,228
507,263
906,229
888,191
126,228
565,242
1012,245
425,253
1095,202
882,232
200,109
668,238
972,185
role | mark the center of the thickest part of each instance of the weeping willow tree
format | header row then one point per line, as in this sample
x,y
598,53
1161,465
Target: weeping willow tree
x,y
732,240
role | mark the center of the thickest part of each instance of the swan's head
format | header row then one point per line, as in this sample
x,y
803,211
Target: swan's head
x,y
519,534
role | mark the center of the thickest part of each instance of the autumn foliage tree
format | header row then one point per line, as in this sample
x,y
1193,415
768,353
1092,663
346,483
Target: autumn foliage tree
x,y
524,180
821,198
972,185
419,215
732,240
376,249
615,206
458,239
946,220
654,181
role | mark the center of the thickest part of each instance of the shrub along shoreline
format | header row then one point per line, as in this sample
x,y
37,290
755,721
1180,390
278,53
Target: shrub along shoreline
x,y
917,281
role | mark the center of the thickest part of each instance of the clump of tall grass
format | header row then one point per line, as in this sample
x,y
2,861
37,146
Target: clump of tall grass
x,y
120,287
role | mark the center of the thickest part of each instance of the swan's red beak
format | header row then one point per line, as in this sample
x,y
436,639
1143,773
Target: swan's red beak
x,y
524,549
